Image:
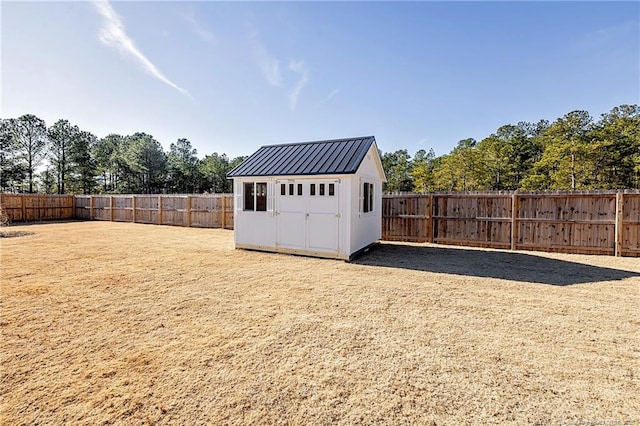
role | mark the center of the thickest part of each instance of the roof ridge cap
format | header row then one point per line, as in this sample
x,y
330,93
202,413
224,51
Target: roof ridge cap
x,y
318,141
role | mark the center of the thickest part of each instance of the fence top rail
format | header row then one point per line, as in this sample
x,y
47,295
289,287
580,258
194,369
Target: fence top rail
x,y
406,195
510,193
386,194
216,195
12,194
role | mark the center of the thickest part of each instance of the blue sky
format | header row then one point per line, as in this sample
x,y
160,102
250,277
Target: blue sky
x,y
231,77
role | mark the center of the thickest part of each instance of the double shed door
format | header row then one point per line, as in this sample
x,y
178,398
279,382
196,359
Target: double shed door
x,y
308,215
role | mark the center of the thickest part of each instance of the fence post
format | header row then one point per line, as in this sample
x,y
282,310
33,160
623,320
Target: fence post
x,y
111,208
515,207
133,205
24,208
224,211
159,209
188,210
618,226
91,207
73,207
432,221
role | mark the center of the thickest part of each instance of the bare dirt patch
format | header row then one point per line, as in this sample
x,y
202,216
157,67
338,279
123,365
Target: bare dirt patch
x,y
12,234
128,323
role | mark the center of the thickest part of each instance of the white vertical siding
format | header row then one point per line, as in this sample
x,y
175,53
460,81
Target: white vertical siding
x,y
251,227
366,228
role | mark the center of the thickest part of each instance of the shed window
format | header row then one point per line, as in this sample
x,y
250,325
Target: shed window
x,y
367,197
332,189
321,189
255,196
283,189
299,189
312,189
261,197
249,196
291,189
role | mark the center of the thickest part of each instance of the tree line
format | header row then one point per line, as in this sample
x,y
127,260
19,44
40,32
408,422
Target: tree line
x,y
572,153
64,159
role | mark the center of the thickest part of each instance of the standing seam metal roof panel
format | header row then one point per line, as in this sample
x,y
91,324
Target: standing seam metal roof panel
x,y
268,158
296,160
306,155
360,153
338,156
344,161
321,161
326,160
286,159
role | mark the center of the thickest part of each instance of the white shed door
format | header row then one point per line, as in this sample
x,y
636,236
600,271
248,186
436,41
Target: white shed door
x,y
323,219
290,219
308,215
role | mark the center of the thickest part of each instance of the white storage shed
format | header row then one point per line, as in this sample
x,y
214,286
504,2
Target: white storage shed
x,y
320,198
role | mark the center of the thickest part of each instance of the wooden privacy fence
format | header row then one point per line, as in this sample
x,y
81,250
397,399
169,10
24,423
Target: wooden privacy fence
x,y
30,207
205,211
591,223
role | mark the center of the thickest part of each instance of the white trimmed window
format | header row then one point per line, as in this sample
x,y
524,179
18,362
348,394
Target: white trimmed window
x,y
255,196
367,197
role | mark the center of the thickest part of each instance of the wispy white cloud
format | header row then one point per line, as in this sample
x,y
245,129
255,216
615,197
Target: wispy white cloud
x,y
114,34
268,64
610,36
331,95
270,67
423,141
300,68
197,28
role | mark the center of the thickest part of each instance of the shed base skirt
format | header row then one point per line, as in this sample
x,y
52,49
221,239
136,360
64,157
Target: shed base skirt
x,y
363,250
327,255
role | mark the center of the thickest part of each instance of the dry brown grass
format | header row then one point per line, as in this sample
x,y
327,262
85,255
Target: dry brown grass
x,y
123,323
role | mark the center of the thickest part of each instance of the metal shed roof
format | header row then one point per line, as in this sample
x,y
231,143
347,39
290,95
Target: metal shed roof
x,y
338,156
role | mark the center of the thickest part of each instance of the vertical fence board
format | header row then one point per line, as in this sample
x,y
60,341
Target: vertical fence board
x,y
122,208
560,222
188,211
482,220
37,207
101,210
146,209
223,212
12,207
630,224
82,206
571,223
173,210
407,218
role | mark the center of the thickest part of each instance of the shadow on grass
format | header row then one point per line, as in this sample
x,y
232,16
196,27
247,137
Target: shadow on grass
x,y
512,266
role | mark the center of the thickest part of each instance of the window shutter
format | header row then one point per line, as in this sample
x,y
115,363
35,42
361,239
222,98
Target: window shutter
x,y
360,196
371,197
238,206
271,191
